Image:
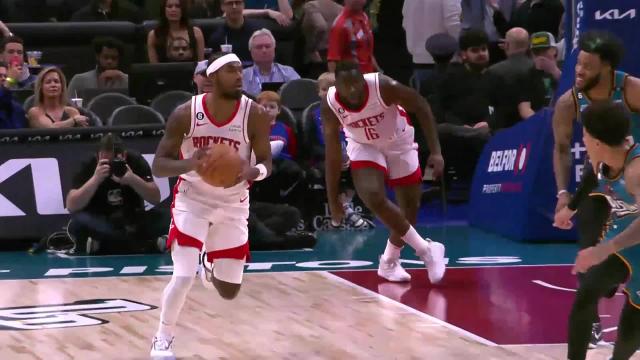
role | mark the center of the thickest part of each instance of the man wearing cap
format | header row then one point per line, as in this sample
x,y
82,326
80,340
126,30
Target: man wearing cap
x,y
202,82
442,47
543,81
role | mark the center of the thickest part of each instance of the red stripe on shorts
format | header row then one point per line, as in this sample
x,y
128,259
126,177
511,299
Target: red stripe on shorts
x,y
412,179
239,252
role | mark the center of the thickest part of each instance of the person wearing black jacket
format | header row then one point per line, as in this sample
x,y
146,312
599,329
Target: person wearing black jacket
x,y
109,10
107,202
12,114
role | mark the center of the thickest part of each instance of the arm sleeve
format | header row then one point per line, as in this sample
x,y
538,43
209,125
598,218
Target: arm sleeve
x,y
587,185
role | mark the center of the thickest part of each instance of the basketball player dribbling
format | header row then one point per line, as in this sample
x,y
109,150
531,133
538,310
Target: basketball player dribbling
x,y
596,79
380,145
204,215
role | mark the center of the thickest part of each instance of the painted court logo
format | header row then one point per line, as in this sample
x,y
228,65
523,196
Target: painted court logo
x,y
65,315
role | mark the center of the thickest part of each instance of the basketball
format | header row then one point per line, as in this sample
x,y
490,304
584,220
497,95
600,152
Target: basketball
x,y
221,166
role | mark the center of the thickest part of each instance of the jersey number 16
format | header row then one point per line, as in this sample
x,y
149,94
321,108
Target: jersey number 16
x,y
371,133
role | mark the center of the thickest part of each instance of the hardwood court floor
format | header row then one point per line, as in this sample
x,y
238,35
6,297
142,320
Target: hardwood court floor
x,y
302,315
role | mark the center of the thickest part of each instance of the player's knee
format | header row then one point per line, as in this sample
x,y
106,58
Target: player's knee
x,y
374,199
227,291
182,283
227,277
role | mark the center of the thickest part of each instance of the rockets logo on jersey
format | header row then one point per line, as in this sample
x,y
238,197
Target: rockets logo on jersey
x,y
370,121
207,141
368,124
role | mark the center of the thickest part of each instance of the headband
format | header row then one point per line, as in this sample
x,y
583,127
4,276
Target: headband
x,y
222,61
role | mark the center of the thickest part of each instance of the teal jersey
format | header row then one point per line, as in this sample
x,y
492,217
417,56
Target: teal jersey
x,y
617,95
624,211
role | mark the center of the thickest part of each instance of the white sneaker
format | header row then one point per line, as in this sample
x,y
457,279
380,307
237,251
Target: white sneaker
x,y
392,270
162,348
434,260
206,272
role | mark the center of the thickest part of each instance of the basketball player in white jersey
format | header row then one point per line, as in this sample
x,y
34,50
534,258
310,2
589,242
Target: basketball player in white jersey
x,y
380,145
203,215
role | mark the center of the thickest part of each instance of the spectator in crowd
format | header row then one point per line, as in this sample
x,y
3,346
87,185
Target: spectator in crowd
x,y
317,145
441,47
505,78
351,38
107,202
273,227
481,14
178,50
236,30
262,45
460,94
423,19
318,16
109,10
282,136
531,15
12,53
461,105
174,23
11,112
205,9
202,82
50,109
286,177
544,77
278,10
107,73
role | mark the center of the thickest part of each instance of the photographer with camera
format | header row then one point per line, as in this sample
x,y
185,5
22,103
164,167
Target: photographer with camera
x,y
107,203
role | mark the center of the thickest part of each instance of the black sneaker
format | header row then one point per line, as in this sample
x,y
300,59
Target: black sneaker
x,y
596,335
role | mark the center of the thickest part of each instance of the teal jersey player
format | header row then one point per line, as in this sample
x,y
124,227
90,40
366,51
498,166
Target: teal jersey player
x,y
624,211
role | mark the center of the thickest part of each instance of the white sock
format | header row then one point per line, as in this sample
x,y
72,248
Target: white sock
x,y
391,252
413,239
173,299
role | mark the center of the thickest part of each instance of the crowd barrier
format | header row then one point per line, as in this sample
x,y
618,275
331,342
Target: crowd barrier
x,y
513,190
37,169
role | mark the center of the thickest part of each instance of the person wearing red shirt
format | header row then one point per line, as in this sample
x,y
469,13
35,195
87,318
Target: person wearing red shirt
x,y
351,38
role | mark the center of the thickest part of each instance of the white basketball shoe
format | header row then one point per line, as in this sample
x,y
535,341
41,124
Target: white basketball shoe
x,y
392,270
162,348
206,272
434,260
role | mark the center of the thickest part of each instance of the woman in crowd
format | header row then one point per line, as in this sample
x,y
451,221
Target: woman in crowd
x,y
51,108
174,23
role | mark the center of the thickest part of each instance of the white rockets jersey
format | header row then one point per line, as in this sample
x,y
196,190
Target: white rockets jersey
x,y
375,123
204,133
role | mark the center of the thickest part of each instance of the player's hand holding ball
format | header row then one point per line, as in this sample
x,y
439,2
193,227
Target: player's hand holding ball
x,y
220,166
